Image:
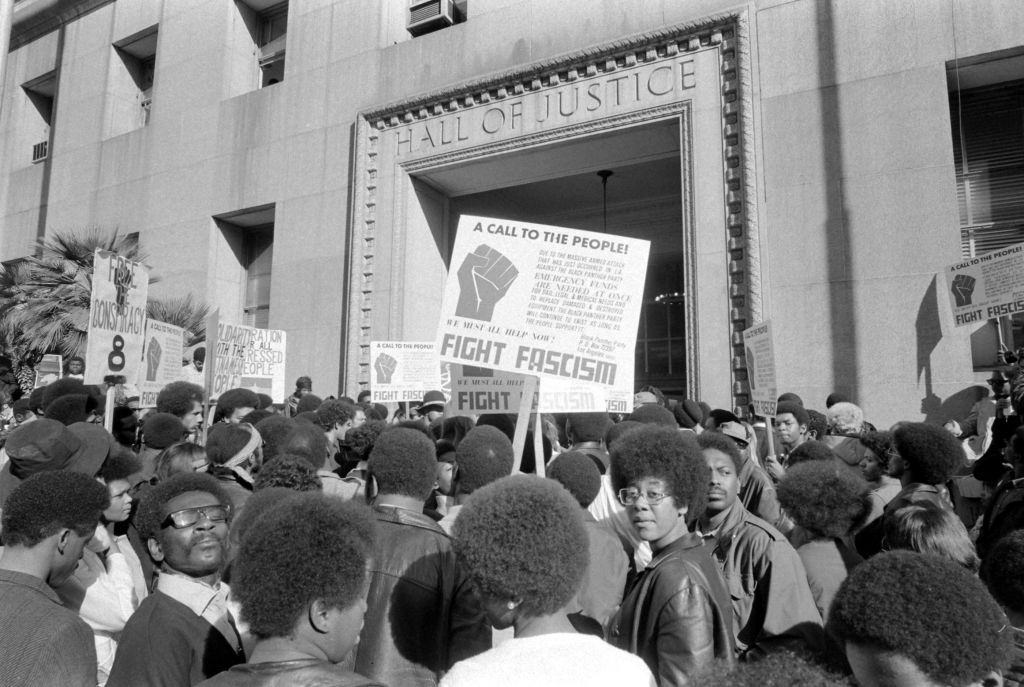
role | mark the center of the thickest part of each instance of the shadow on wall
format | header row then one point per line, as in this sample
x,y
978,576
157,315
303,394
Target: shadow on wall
x,y
928,330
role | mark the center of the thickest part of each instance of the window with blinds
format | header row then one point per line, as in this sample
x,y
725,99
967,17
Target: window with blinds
x,y
988,151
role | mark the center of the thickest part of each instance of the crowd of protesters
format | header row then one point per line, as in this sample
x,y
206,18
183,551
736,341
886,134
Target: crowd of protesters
x,y
332,542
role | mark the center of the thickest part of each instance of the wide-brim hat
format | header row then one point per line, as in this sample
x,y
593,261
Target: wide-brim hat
x,y
432,400
734,430
40,445
96,445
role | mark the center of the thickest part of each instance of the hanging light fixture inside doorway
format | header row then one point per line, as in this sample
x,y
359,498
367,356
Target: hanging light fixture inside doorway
x,y
604,174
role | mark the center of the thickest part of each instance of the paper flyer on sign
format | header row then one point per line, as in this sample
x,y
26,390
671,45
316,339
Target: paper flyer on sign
x,y
988,286
403,370
248,358
117,318
161,360
541,300
760,355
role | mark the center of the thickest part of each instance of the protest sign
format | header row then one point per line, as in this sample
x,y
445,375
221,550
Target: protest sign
x,y
986,287
161,360
117,318
541,300
482,391
48,370
403,370
245,357
760,354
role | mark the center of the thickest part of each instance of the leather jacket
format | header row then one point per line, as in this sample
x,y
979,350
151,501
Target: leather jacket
x,y
677,616
302,672
422,615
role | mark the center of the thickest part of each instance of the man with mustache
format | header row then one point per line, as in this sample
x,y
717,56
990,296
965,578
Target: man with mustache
x,y
183,633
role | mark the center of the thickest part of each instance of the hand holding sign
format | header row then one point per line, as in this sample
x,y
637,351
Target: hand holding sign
x,y
484,278
384,366
963,289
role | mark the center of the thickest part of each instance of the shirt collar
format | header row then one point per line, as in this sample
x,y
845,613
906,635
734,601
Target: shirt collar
x,y
198,596
32,582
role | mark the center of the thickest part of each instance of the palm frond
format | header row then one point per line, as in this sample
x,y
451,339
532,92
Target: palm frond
x,y
181,311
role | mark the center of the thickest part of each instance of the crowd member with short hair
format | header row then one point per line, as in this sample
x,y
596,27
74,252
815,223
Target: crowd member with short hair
x,y
182,633
523,542
303,387
1003,573
757,493
826,502
771,601
47,522
274,430
288,471
791,424
783,668
605,580
484,455
874,468
677,615
234,404
654,414
301,579
184,401
234,454
335,418
811,450
108,584
422,615
180,457
159,430
585,433
926,528
906,618
309,403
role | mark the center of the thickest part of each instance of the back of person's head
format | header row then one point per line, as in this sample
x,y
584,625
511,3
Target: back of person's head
x,y
666,454
1003,571
403,462
49,502
578,473
810,451
817,424
265,401
120,464
720,442
274,430
652,414
779,668
308,441
834,398
160,430
931,454
484,455
359,440
178,458
177,398
919,619
797,410
376,411
790,397
504,422
35,400
256,416
308,403
454,428
335,412
926,528
305,550
824,498
67,386
150,515
521,538
259,503
233,399
288,471
618,429
845,418
225,441
587,426
71,408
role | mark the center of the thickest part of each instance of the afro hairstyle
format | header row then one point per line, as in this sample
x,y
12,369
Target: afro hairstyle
x,y
256,505
930,452
121,463
845,418
35,400
927,528
403,462
824,498
308,441
618,429
160,430
359,440
150,514
668,455
817,424
688,413
503,421
522,537
1003,571
257,415
484,455
225,440
797,410
308,403
308,416
288,471
376,411
274,430
879,443
233,399
71,408
578,473
779,668
66,386
926,608
790,397
455,428
309,547
651,414
810,451
265,401
335,412
720,442
49,501
587,426
177,398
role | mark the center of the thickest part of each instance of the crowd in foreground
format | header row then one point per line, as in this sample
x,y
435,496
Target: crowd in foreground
x,y
333,543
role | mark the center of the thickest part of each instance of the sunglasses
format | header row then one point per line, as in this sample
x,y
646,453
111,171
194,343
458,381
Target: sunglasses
x,y
187,517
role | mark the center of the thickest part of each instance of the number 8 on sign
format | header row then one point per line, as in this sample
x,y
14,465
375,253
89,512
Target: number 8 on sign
x,y
115,361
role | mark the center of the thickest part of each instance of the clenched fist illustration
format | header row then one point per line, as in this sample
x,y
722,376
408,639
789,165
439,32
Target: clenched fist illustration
x,y
384,366
153,353
484,278
963,289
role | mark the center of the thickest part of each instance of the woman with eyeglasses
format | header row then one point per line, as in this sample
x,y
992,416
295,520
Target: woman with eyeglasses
x,y
676,615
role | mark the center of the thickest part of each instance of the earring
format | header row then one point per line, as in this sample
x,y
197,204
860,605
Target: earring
x,y
511,605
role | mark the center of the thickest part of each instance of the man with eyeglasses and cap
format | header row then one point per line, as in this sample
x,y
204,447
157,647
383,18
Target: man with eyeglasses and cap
x,y
183,633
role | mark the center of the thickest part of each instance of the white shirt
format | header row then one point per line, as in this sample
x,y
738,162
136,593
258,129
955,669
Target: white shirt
x,y
557,660
607,510
209,603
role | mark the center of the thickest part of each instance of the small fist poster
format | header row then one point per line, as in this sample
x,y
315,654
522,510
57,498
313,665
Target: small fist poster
x,y
403,370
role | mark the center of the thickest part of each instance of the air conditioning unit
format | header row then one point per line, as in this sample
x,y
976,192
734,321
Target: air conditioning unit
x,y
428,15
